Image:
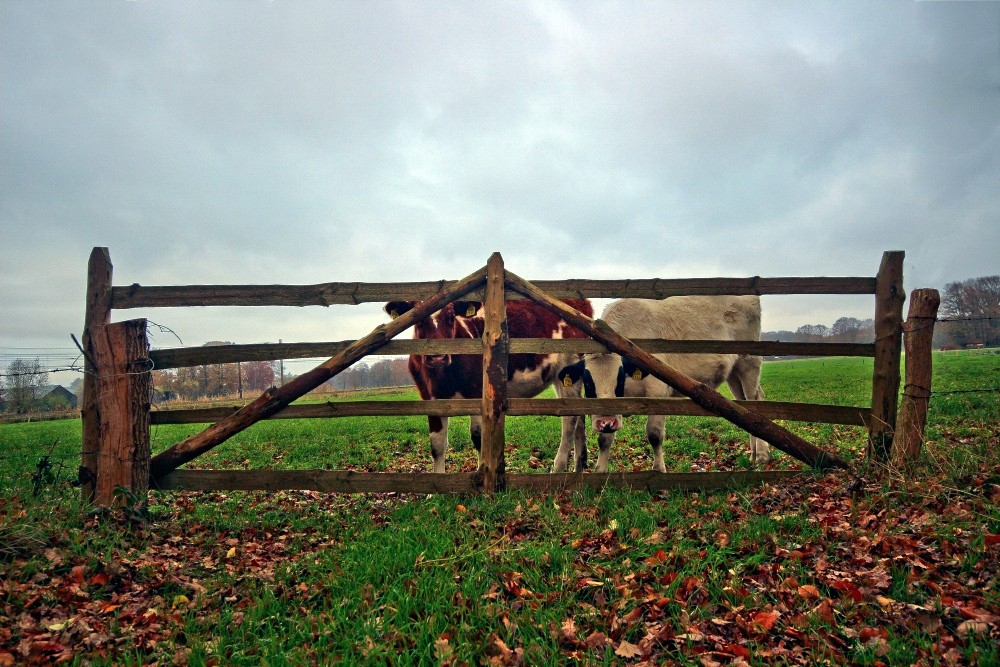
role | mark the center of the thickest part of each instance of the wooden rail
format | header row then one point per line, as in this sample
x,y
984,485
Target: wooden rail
x,y
348,481
227,354
329,294
519,407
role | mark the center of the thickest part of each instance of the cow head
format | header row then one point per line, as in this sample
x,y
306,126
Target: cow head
x,y
603,376
439,326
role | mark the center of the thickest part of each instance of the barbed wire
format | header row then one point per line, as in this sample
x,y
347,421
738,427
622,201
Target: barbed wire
x,y
967,319
966,391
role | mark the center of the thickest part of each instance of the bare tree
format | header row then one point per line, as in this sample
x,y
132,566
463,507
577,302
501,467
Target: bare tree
x,y
975,303
23,385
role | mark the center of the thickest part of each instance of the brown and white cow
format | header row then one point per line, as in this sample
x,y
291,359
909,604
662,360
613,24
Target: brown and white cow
x,y
673,318
447,376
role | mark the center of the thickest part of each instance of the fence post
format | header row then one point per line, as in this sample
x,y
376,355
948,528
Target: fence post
x,y
97,314
496,346
918,334
121,353
889,297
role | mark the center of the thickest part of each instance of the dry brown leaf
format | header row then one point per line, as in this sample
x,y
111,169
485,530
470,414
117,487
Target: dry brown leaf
x,y
809,592
628,650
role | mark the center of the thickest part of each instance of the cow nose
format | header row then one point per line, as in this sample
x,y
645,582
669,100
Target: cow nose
x,y
438,360
606,424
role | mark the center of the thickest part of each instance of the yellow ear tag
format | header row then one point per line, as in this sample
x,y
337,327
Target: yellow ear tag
x,y
567,381
637,374
394,313
470,311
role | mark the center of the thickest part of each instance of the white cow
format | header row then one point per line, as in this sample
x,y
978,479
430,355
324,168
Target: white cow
x,y
675,318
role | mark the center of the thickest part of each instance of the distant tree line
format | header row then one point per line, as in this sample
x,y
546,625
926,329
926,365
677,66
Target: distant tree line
x,y
844,330
252,377
214,381
973,308
383,373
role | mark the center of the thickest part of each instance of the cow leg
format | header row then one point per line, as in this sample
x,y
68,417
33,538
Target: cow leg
x,y
604,442
568,436
580,442
476,431
654,433
575,432
438,427
562,454
744,382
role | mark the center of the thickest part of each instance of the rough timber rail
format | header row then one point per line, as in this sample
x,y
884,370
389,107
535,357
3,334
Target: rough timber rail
x,y
489,284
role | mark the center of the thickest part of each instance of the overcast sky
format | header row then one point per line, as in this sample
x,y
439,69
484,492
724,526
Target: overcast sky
x,y
306,142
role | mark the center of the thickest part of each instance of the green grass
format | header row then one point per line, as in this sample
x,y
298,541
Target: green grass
x,y
795,574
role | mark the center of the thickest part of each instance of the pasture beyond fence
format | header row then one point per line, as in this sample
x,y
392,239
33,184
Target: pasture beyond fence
x,y
116,408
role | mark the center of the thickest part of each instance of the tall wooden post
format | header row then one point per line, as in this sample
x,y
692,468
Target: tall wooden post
x,y
918,335
97,314
496,346
889,297
121,353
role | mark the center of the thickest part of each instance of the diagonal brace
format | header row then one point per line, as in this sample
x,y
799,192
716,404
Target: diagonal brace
x,y
276,399
699,392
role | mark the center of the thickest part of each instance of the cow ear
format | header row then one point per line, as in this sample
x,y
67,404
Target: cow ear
x,y
467,308
571,374
397,308
632,370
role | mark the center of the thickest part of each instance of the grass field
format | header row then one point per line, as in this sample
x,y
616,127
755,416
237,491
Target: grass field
x,y
903,570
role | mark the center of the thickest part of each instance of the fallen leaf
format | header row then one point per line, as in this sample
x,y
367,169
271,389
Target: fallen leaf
x,y
6,659
765,619
966,628
809,592
657,558
738,651
824,610
443,650
628,650
567,633
100,579
181,601
231,552
849,588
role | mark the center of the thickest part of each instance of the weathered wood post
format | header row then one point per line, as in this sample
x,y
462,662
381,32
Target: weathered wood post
x,y
889,297
121,354
496,345
918,334
97,314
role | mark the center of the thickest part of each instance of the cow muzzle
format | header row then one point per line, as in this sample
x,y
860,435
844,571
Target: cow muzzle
x,y
438,360
607,424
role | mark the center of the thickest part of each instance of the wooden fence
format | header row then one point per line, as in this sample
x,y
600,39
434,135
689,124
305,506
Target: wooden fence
x,y
116,413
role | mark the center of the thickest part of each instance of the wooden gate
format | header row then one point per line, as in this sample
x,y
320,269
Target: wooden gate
x,y
116,413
